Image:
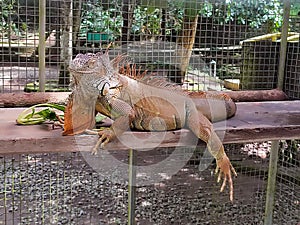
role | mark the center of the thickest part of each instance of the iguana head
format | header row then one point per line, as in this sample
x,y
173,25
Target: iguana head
x,y
95,72
93,75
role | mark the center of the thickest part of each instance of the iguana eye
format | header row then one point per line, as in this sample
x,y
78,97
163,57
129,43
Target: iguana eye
x,y
92,63
105,89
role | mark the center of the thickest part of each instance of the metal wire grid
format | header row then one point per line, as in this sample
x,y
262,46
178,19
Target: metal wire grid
x,y
64,189
287,187
57,189
292,80
19,47
292,73
216,52
260,65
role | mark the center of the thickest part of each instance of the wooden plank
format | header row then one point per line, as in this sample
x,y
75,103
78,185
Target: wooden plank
x,y
260,135
258,121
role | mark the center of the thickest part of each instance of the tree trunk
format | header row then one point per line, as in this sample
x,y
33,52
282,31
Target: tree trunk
x,y
77,4
185,43
66,43
127,14
163,23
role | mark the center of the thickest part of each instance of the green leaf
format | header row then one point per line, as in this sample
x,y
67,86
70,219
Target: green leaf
x,y
99,118
31,116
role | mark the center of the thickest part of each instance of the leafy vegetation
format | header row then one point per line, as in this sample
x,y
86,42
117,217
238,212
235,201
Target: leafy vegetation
x,y
44,112
148,17
6,12
295,9
31,116
146,20
254,13
97,19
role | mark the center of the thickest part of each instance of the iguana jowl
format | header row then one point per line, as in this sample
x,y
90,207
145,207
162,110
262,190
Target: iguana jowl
x,y
149,104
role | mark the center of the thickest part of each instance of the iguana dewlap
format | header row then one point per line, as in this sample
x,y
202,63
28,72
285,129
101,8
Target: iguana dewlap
x,y
150,104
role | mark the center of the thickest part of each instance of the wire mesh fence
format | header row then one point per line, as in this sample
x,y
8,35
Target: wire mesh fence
x,y
62,188
292,81
213,33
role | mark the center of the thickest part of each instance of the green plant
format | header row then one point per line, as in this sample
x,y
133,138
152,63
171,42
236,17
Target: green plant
x,y
31,116
146,20
295,9
96,19
6,12
46,112
175,16
255,13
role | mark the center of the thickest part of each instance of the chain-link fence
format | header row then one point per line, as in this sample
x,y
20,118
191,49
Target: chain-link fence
x,y
202,45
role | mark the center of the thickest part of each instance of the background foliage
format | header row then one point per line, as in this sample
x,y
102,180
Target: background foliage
x,y
148,15
97,19
254,13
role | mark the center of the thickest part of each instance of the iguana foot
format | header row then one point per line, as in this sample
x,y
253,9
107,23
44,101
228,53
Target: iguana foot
x,y
105,136
224,167
57,124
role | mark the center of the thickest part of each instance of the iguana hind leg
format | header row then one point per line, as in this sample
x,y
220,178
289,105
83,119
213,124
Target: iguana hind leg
x,y
203,129
213,106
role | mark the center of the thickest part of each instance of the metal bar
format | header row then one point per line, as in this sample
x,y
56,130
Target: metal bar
x,y
283,43
270,195
42,44
131,187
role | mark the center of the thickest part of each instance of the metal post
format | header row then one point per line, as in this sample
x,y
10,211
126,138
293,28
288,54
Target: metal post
x,y
70,23
283,43
270,195
131,187
42,44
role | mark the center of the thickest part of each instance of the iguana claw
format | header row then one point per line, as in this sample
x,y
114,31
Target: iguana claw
x,y
105,136
224,167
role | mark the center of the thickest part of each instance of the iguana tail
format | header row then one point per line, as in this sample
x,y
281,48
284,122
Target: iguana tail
x,y
213,106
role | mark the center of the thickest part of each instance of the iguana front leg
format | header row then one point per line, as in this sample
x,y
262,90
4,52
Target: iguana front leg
x,y
203,129
123,115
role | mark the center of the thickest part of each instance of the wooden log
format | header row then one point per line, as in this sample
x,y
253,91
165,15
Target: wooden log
x,y
29,99
257,96
252,96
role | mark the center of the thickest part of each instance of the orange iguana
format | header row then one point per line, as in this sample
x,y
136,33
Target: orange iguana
x,y
150,104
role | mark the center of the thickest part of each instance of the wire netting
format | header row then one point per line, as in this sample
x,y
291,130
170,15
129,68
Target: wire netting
x,y
62,188
201,44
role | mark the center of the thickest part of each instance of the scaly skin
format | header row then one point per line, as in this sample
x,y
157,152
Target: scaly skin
x,y
149,105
